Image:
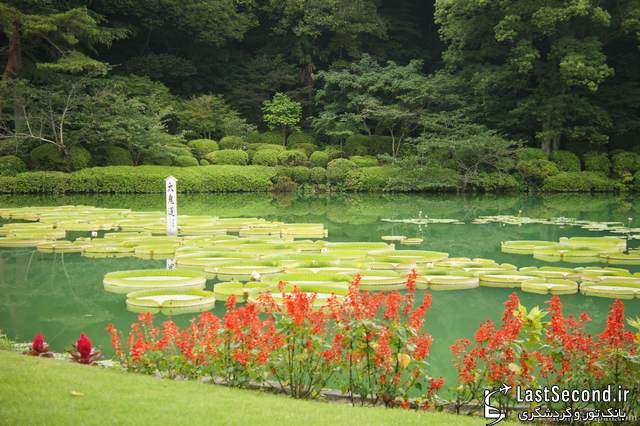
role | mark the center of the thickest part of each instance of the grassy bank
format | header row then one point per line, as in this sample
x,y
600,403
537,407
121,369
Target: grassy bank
x,y
41,391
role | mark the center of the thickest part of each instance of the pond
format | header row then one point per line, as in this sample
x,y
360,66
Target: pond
x,y
62,294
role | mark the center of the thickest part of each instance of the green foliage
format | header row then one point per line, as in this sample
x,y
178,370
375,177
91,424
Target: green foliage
x,y
204,162
497,182
10,165
292,158
319,159
338,169
534,63
318,175
301,138
158,156
300,174
265,157
536,172
201,147
428,179
114,156
186,161
209,116
274,138
368,97
142,179
261,146
308,148
625,163
356,145
566,161
228,156
333,152
597,162
364,161
283,184
47,157
77,158
232,142
526,154
367,179
580,182
281,112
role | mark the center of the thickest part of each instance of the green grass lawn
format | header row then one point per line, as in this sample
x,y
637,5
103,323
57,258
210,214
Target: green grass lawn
x,y
39,391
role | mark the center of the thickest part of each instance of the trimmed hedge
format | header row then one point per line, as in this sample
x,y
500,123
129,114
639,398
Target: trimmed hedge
x,y
625,163
233,142
497,182
46,157
116,156
186,161
597,162
307,148
292,158
338,169
535,172
265,157
142,179
10,165
566,161
364,161
371,178
228,156
319,159
201,147
580,182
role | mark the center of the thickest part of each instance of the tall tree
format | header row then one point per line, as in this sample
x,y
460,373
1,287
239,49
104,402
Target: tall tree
x,y
535,66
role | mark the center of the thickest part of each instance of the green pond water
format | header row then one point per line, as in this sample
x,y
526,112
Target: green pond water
x,y
62,294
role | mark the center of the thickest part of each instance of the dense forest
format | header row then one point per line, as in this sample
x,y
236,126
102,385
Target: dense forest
x,y
525,88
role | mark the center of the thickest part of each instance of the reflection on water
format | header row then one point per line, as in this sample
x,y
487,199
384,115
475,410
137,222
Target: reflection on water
x,y
61,294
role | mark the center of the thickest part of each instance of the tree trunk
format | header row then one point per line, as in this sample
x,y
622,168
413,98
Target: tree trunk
x,y
285,135
14,55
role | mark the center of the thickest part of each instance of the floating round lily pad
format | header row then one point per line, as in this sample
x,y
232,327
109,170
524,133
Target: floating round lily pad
x,y
245,270
504,280
525,247
242,291
447,281
611,288
550,286
153,279
170,302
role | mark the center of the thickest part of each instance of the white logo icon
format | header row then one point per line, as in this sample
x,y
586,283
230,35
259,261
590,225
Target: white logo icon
x,y
491,412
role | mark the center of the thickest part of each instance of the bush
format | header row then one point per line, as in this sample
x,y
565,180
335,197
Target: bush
x,y
371,178
265,157
300,174
319,159
334,152
338,169
528,154
356,145
535,172
228,156
186,161
233,142
292,158
78,158
10,165
283,184
364,161
597,162
307,148
301,138
47,157
158,156
274,138
261,146
497,182
204,162
201,147
176,149
566,161
318,175
625,163
580,182
116,156
142,179
430,179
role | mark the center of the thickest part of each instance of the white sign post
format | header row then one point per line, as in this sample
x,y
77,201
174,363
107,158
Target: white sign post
x,y
172,206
